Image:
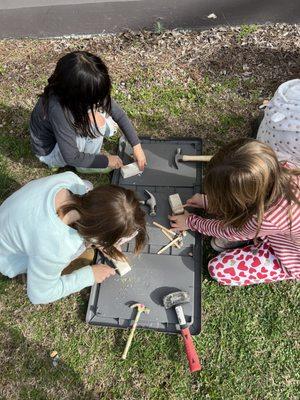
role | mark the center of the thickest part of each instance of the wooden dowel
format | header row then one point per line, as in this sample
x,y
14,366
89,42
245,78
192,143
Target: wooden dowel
x,y
164,228
167,234
196,158
179,237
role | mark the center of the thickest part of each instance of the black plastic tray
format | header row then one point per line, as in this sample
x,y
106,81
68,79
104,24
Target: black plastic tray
x,y
152,275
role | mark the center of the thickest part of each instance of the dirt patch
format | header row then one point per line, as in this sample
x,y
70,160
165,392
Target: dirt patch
x,y
231,69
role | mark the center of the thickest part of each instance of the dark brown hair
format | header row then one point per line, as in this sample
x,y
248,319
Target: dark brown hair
x,y
244,179
107,214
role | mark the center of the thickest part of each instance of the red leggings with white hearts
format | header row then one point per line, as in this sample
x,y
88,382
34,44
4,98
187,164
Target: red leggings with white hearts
x,y
247,266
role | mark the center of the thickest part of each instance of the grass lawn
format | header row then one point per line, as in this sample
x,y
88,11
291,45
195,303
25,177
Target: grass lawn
x,y
203,84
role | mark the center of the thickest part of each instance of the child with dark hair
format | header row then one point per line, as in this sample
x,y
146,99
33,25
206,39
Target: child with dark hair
x,y
51,221
75,113
252,196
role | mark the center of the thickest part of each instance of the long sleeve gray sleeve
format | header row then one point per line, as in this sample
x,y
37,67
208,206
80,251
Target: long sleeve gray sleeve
x,y
120,117
65,136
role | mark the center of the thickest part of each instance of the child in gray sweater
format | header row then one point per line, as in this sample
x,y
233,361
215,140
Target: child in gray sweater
x,y
75,113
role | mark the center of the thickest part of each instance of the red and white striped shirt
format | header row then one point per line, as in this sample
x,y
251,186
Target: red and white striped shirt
x,y
276,228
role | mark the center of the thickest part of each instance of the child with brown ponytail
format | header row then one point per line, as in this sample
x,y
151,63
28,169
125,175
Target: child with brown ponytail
x,y
51,221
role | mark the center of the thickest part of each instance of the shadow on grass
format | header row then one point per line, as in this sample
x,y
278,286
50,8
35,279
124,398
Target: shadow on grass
x,y
171,342
214,135
15,137
258,68
83,303
35,376
7,184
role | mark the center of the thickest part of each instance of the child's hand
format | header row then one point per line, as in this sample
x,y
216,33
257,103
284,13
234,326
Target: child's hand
x,y
178,222
197,201
102,272
139,156
114,162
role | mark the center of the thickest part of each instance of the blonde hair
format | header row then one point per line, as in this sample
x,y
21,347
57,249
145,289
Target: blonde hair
x,y
244,179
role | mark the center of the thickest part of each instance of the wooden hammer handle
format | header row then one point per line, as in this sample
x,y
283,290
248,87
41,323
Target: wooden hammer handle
x,y
169,244
196,158
129,340
164,228
167,234
130,337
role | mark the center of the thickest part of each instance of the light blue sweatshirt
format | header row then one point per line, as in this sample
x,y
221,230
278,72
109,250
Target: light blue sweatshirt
x,y
34,239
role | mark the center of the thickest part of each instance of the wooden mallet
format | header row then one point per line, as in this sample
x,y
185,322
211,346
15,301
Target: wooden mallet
x,y
167,232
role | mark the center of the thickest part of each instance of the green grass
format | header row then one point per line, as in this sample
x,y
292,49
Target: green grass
x,y
2,69
249,345
248,349
247,30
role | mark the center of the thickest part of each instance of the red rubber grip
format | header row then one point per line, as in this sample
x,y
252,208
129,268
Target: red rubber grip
x,y
190,350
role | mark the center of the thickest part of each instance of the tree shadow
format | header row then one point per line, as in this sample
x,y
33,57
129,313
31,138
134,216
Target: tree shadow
x,y
172,345
83,304
7,184
15,137
265,67
28,371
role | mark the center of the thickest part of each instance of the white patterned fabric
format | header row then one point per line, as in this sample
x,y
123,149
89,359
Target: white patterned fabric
x,y
280,127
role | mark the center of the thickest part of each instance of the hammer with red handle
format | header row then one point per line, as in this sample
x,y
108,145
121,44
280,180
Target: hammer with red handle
x,y
176,299
180,157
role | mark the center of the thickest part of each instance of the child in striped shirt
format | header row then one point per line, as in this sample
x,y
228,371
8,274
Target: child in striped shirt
x,y
252,196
